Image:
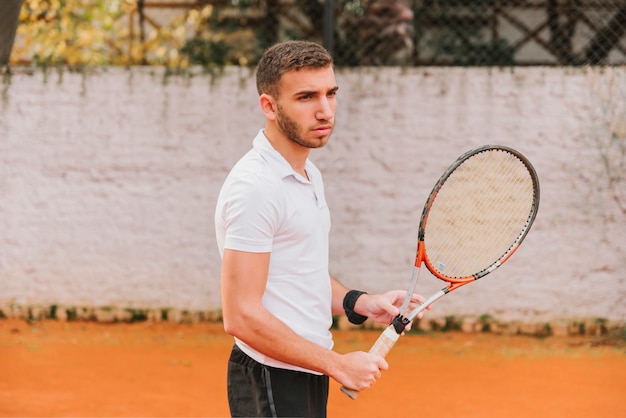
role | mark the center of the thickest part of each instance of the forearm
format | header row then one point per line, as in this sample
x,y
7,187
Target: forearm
x,y
265,333
345,302
380,308
246,318
339,293
243,282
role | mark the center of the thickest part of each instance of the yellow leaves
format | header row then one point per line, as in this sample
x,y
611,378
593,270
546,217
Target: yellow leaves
x,y
58,32
161,52
197,18
207,11
85,37
193,17
107,32
129,6
107,22
114,6
179,33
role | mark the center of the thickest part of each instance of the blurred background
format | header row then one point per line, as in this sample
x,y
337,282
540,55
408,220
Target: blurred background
x,y
179,33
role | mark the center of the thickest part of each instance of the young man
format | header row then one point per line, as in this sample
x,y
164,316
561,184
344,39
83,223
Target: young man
x,y
272,227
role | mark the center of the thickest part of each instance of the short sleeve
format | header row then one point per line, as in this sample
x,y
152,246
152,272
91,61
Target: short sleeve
x,y
250,213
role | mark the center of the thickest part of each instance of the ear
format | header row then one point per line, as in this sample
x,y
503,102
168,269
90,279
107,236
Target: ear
x,y
268,106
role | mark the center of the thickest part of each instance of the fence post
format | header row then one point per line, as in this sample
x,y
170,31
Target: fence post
x,y
329,25
9,17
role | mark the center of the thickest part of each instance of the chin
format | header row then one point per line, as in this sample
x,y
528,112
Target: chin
x,y
320,142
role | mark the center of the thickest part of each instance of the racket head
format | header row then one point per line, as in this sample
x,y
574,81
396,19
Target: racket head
x,y
477,214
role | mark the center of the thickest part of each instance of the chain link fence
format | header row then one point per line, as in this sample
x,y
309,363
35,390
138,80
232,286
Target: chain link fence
x,y
357,32
456,32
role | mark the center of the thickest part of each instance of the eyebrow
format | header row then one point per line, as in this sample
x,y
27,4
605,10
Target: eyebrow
x,y
309,92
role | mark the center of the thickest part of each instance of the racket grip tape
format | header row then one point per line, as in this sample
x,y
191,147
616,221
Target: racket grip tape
x,y
381,347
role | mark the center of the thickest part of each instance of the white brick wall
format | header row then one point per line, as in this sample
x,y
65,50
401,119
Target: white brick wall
x,y
108,182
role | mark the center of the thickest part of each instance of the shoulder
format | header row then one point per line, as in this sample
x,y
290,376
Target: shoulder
x,y
253,175
252,190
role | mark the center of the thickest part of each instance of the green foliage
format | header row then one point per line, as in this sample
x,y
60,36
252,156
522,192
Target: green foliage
x,y
354,8
544,331
53,312
218,41
485,320
137,315
205,52
71,314
449,323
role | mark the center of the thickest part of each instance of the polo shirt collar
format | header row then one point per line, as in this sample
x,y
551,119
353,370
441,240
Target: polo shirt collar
x,y
263,146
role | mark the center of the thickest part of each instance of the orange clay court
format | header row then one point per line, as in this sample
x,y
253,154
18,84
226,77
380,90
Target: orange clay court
x,y
148,369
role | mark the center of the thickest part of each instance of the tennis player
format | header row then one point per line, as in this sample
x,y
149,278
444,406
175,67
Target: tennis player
x,y
272,227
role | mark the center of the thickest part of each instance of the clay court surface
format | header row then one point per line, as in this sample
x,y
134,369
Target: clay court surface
x,y
147,369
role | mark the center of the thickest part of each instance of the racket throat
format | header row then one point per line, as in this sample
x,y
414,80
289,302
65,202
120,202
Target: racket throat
x,y
409,293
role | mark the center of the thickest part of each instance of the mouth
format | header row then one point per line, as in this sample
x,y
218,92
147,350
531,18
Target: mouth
x,y
323,130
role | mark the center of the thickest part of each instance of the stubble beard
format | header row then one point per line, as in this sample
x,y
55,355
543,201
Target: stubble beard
x,y
291,130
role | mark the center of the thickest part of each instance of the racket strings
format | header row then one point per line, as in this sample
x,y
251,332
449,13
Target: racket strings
x,y
479,213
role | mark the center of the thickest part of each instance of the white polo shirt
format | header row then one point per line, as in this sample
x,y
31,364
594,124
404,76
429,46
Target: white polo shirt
x,y
265,206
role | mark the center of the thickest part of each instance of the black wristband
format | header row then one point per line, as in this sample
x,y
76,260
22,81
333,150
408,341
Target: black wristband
x,y
348,305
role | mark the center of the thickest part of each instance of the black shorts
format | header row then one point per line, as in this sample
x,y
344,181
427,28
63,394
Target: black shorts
x,y
256,390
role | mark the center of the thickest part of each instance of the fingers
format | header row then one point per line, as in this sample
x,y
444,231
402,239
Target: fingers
x,y
367,383
382,364
384,307
376,375
391,309
387,306
379,365
390,302
360,370
417,299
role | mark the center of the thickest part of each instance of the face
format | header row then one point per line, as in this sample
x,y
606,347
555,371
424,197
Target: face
x,y
305,109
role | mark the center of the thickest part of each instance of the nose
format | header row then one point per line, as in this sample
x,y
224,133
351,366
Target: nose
x,y
326,109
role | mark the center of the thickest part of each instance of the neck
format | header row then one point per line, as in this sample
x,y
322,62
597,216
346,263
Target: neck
x,y
296,155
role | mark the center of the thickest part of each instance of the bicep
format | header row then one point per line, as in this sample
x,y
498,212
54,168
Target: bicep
x,y
243,281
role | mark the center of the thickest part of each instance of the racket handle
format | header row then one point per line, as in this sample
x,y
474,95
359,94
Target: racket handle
x,y
381,347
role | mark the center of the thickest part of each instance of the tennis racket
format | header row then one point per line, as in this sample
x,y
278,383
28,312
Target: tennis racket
x,y
475,218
